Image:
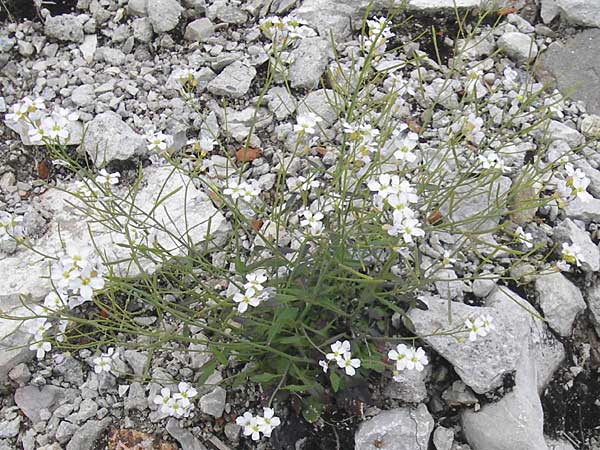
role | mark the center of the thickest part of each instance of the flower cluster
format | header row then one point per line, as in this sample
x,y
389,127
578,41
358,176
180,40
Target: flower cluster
x,y
481,326
39,328
398,195
254,291
42,128
11,227
284,30
312,221
244,190
491,160
404,143
408,358
253,426
180,403
575,185
570,255
158,142
341,354
76,275
363,139
306,124
103,363
378,34
470,127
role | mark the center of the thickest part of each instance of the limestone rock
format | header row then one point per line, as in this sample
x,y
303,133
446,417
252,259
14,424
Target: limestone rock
x,y
397,429
310,60
65,27
163,14
234,81
518,46
199,30
560,300
589,255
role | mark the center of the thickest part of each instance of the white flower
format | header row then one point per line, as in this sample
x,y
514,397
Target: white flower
x,y
400,356
475,328
64,115
10,227
244,190
385,185
574,185
487,324
206,143
306,123
570,254
348,363
24,108
106,178
252,429
37,134
409,227
405,147
524,238
186,392
87,282
41,348
491,160
416,359
159,142
338,349
324,365
55,301
305,185
103,363
38,327
311,220
163,399
470,127
175,407
54,130
268,421
250,297
255,280
245,422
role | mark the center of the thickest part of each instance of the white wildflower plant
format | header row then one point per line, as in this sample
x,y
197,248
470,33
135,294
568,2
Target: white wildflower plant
x,y
306,255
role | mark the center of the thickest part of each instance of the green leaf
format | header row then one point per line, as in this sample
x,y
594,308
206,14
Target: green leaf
x,y
206,372
264,377
377,366
221,357
335,380
297,388
311,409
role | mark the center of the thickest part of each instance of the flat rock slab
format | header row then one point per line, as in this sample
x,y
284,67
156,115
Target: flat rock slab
x,y
575,66
31,399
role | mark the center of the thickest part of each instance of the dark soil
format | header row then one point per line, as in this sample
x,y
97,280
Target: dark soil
x,y
25,9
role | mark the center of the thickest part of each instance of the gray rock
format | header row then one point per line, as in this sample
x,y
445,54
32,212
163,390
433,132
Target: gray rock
x,y
239,123
137,361
321,102
186,439
575,65
83,95
65,432
163,14
408,386
472,202
515,422
86,436
136,398
31,400
482,287
199,30
579,12
213,403
234,81
557,131
560,300
87,409
10,428
142,29
589,255
459,394
443,438
65,27
447,284
20,374
137,7
14,343
112,56
280,102
397,429
590,126
108,138
588,211
518,46
310,60
593,301
88,48
70,370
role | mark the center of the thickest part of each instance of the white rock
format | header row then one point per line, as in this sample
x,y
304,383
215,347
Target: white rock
x,y
28,271
589,254
447,284
560,300
88,48
588,211
213,403
397,429
310,60
557,131
83,95
137,7
590,126
321,102
108,138
199,30
408,386
518,46
65,27
580,12
163,14
515,422
280,102
443,438
234,81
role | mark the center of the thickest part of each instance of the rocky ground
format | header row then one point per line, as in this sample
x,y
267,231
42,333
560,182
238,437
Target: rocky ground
x,y
533,385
